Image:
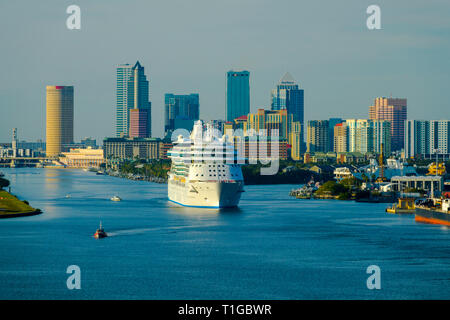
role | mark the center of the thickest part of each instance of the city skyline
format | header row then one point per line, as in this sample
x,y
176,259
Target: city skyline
x,y
326,70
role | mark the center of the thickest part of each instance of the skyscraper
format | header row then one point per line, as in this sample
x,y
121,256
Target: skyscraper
x,y
238,94
393,110
317,136
132,93
287,95
184,108
59,119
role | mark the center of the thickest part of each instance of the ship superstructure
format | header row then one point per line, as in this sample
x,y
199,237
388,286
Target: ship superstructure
x,y
206,171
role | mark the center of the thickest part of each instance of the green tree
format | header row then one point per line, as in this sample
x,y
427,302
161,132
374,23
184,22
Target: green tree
x,y
4,183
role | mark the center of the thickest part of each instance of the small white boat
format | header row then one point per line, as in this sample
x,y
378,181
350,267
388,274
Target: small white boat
x,y
67,195
116,198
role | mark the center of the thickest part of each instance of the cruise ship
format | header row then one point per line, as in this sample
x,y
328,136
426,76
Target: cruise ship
x,y
206,171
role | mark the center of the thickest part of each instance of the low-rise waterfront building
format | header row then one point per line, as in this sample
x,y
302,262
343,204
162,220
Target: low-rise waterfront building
x,y
351,157
132,148
319,157
83,158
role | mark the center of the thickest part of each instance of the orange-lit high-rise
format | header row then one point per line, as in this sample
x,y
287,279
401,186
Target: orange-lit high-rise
x,y
59,125
393,110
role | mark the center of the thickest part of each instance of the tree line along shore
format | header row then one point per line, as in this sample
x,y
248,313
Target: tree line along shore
x,y
289,172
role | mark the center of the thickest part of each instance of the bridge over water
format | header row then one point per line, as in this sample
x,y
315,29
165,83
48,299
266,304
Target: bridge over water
x,y
24,161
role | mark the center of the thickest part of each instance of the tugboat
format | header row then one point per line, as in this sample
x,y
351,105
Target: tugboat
x,y
100,233
404,205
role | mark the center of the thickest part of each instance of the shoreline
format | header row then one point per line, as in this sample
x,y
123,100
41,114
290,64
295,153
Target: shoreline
x,y
20,214
12,207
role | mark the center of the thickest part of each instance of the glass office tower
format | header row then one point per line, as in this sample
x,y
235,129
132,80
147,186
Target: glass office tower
x,y
238,94
287,95
131,93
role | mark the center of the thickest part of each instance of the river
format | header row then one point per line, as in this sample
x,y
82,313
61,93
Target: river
x,y
272,247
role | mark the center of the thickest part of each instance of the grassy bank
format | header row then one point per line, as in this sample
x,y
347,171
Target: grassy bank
x,y
11,207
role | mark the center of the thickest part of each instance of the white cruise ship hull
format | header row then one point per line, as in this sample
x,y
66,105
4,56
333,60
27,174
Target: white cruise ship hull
x,y
205,194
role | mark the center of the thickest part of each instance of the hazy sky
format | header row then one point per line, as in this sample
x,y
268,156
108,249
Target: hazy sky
x,y
188,45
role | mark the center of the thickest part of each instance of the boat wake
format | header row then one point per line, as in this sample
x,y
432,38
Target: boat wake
x,y
129,232
173,229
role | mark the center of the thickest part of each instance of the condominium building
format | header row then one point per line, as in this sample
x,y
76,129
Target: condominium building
x,y
317,135
296,140
59,119
425,138
340,136
393,110
332,122
382,139
365,135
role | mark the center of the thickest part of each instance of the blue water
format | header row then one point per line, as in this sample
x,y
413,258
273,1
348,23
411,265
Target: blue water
x,y
272,247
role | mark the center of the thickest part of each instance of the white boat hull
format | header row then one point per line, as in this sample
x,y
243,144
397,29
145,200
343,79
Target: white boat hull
x,y
205,194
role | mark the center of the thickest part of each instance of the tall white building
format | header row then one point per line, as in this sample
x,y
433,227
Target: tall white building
x,y
367,135
425,137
